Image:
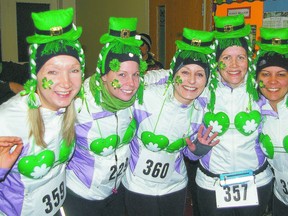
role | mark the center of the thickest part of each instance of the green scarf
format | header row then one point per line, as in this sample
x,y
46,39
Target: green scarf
x,y
109,102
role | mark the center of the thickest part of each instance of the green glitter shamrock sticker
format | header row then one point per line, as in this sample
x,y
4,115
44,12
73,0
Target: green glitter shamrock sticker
x,y
221,65
46,83
178,80
261,84
115,83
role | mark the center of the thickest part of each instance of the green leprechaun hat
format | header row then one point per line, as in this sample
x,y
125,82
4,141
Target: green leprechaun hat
x,y
196,47
55,34
54,25
121,44
231,27
232,31
274,40
122,30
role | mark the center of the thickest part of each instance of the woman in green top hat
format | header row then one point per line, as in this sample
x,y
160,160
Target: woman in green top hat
x,y
272,77
43,117
169,118
105,124
233,179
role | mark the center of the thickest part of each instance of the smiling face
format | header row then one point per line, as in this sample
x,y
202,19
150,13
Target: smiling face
x,y
275,84
64,74
193,83
235,63
127,79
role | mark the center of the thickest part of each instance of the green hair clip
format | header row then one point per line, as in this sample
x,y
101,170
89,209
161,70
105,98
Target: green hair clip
x,y
114,65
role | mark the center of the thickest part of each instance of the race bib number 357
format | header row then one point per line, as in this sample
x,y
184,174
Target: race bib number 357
x,y
244,194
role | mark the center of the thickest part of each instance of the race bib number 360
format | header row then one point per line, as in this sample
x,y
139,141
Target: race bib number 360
x,y
244,194
154,166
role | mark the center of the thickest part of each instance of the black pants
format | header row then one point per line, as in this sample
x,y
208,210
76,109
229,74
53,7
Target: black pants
x,y
172,204
113,205
279,208
207,203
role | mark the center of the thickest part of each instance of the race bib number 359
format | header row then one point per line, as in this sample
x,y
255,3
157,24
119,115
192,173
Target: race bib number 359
x,y
244,194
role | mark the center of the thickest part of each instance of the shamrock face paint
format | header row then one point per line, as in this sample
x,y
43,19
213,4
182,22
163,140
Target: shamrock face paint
x,y
115,83
178,80
190,82
65,74
234,65
124,83
221,65
46,83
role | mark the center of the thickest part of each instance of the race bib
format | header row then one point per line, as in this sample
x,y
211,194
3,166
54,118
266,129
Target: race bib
x,y
281,179
153,166
48,199
236,195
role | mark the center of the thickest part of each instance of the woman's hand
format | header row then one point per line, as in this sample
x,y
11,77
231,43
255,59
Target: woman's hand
x,y
7,158
203,144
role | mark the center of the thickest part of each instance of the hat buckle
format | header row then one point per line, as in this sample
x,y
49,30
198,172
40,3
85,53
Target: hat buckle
x,y
56,31
228,28
195,42
276,41
125,33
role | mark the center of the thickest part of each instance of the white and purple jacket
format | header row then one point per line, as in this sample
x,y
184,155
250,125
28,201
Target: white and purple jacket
x,y
35,185
275,128
235,152
157,166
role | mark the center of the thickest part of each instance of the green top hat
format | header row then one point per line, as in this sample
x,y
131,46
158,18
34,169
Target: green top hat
x,y
195,40
231,27
274,40
122,30
54,25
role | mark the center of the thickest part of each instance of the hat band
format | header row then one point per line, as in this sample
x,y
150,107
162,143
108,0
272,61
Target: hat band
x,y
54,31
196,42
124,33
274,41
230,28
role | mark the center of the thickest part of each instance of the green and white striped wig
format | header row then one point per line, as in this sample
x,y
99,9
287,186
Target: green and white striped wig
x,y
55,34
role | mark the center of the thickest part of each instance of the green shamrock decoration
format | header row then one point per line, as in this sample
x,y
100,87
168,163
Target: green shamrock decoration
x,y
219,121
36,166
246,123
178,80
46,83
154,142
116,84
105,146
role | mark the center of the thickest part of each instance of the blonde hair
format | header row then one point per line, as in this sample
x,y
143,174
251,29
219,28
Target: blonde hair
x,y
37,127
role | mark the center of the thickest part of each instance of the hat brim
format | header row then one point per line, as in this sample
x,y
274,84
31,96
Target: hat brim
x,y
106,38
72,35
281,49
234,34
184,46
